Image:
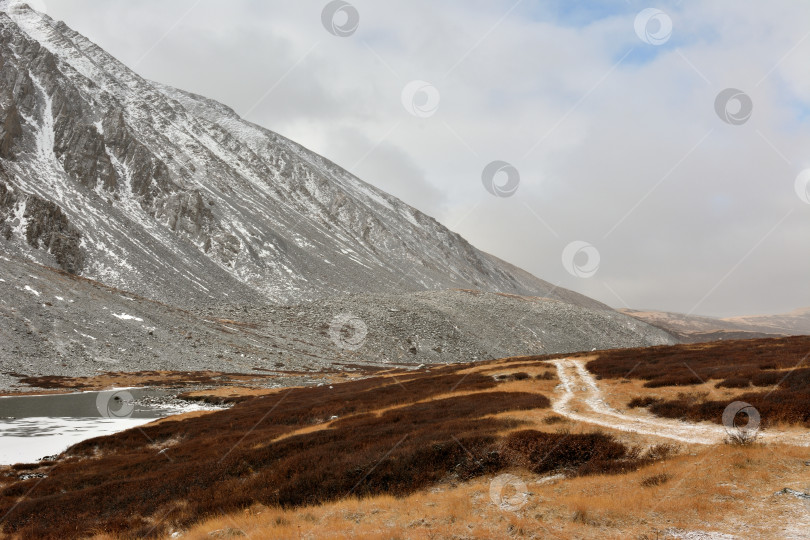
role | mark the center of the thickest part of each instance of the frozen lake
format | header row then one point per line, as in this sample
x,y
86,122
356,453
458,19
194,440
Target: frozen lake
x,y
33,427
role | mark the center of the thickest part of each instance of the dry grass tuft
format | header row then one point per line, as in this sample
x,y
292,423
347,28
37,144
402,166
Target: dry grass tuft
x,y
656,480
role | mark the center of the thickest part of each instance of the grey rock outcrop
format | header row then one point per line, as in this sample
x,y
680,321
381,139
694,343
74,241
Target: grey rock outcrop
x,y
41,225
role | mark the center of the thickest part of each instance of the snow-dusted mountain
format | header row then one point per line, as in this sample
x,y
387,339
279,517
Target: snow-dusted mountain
x,y
198,224
175,197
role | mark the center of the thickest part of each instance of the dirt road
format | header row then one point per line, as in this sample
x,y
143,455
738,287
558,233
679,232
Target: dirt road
x,y
581,399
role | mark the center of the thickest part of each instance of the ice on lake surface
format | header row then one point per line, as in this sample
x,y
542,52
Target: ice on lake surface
x,y
33,427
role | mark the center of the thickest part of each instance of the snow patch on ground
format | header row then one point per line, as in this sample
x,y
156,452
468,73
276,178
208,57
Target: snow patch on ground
x,y
85,335
125,317
32,291
699,535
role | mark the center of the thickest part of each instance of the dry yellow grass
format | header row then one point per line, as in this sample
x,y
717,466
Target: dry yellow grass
x,y
719,489
233,392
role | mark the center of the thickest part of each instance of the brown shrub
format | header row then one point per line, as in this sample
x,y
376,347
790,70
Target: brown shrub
x,y
662,451
639,402
577,454
227,460
734,382
656,480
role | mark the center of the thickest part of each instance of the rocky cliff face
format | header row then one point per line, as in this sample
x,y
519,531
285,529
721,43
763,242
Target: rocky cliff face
x,y
41,225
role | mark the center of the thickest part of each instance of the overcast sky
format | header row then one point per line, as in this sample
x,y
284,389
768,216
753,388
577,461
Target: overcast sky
x,y
669,197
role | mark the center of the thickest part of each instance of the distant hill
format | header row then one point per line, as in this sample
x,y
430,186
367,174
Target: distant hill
x,y
693,328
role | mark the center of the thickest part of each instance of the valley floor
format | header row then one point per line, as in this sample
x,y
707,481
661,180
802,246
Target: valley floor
x,y
527,447
710,490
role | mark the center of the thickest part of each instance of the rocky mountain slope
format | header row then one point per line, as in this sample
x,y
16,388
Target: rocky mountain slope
x,y
186,238
54,323
173,196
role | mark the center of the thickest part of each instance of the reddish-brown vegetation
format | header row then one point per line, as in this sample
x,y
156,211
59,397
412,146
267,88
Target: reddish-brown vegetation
x,y
776,372
392,435
594,453
645,401
164,379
